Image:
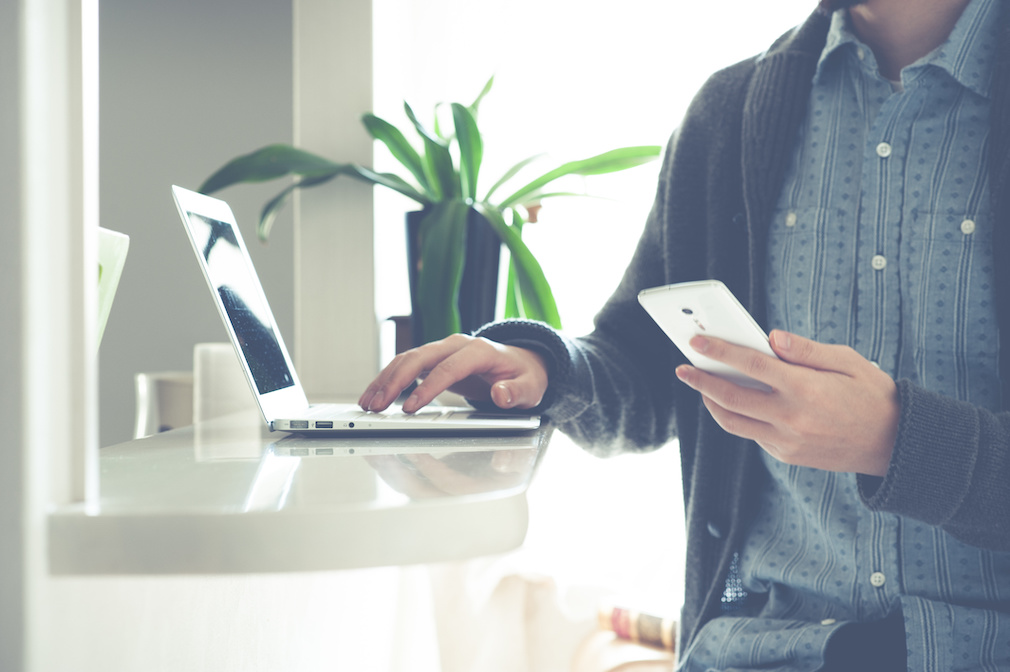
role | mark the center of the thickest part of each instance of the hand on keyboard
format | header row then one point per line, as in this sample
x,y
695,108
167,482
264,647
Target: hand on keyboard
x,y
477,368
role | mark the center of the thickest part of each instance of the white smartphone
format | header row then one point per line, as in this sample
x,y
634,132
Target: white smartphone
x,y
706,307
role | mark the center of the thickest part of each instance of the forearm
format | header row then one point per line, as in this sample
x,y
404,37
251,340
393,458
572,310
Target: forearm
x,y
606,400
950,468
613,390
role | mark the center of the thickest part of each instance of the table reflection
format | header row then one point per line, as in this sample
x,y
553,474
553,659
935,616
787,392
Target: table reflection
x,y
296,472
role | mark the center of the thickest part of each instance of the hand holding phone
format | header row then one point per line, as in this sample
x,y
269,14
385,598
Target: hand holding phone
x,y
706,307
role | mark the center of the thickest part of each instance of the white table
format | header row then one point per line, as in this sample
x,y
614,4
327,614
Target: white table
x,y
228,497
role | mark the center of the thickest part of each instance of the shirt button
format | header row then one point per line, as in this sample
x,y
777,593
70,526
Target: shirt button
x,y
883,150
714,530
875,364
967,227
860,53
791,219
879,262
828,621
877,579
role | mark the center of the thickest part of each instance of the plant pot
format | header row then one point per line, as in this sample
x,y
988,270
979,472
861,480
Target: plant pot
x,y
479,287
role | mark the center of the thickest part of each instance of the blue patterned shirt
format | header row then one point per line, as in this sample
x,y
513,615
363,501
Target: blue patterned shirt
x,y
881,241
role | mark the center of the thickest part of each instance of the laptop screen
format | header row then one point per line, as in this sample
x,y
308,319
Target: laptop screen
x,y
243,301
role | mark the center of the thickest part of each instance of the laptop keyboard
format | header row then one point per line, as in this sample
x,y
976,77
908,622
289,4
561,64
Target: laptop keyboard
x,y
393,413
400,416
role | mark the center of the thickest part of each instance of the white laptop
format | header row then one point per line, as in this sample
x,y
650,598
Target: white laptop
x,y
240,299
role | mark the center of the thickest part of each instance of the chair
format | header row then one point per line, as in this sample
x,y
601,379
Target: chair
x,y
164,401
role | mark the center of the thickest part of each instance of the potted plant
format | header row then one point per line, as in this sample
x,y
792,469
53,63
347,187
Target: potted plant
x,y
443,179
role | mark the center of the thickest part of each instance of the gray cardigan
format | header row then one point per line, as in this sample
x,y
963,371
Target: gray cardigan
x,y
615,390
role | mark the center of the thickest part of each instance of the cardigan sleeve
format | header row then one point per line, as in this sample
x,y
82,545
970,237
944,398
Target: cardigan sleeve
x,y
615,390
612,390
950,468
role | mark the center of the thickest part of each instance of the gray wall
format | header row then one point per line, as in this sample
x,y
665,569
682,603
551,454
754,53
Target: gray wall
x,y
14,509
185,86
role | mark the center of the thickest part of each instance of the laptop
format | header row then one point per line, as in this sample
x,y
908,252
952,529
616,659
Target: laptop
x,y
243,306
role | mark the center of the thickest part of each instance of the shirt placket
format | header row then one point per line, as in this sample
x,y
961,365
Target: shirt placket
x,y
877,332
879,234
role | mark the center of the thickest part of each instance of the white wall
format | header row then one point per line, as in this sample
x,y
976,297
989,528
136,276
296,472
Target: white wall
x,y
48,300
336,336
185,86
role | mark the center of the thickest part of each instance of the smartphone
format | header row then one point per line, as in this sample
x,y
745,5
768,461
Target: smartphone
x,y
706,307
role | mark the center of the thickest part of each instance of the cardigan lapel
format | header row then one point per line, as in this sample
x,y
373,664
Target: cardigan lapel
x,y
774,107
999,184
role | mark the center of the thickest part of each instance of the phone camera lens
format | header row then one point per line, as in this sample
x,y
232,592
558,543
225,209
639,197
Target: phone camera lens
x,y
687,311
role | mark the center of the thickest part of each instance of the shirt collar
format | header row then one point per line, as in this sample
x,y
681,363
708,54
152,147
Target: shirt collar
x,y
970,51
840,39
968,55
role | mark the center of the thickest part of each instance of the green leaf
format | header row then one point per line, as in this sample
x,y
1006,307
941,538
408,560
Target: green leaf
x,y
437,124
512,299
537,299
471,149
268,163
395,182
486,90
398,146
274,205
510,173
441,174
538,196
443,250
388,180
608,162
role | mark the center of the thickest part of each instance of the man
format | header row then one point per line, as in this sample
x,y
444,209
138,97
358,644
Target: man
x,y
851,186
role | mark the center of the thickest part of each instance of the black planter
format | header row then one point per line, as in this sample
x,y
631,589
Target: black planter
x,y
479,288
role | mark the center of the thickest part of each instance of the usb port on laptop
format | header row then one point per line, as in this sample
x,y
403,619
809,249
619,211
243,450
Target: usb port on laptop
x,y
324,424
